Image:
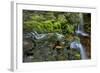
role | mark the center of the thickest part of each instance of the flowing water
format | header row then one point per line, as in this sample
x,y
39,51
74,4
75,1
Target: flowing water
x,y
80,29
78,45
82,52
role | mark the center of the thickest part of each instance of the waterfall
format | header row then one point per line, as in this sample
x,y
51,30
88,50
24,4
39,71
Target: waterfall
x,y
80,31
82,51
81,27
78,46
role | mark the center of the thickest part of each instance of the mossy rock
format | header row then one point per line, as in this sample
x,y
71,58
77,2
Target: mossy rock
x,y
77,56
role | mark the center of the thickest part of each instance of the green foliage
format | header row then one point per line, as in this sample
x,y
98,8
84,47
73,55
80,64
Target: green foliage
x,y
51,22
46,21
